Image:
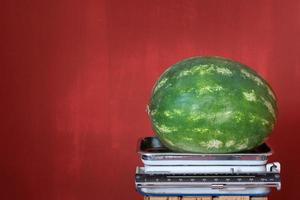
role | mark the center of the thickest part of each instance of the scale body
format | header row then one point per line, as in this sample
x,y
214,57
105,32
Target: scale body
x,y
167,173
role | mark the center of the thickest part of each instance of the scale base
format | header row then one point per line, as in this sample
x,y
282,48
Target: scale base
x,y
206,198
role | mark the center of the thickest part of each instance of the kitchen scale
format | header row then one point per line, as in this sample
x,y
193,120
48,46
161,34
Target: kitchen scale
x,y
167,173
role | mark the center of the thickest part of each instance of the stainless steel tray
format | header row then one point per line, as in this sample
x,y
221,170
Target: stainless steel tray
x,y
153,152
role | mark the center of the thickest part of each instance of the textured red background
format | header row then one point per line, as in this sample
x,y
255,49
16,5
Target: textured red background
x,y
75,77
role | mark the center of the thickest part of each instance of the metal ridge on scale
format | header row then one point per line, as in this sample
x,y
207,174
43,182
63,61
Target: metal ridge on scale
x,y
167,173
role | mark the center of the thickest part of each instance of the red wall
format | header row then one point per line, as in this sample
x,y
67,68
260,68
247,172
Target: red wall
x,y
75,78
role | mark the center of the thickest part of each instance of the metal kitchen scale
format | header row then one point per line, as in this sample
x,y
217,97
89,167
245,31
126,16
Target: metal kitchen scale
x,y
167,173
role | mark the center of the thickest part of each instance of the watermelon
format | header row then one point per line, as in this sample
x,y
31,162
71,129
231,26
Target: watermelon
x,y
212,105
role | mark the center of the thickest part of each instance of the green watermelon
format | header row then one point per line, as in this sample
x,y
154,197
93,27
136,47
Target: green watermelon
x,y
212,105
